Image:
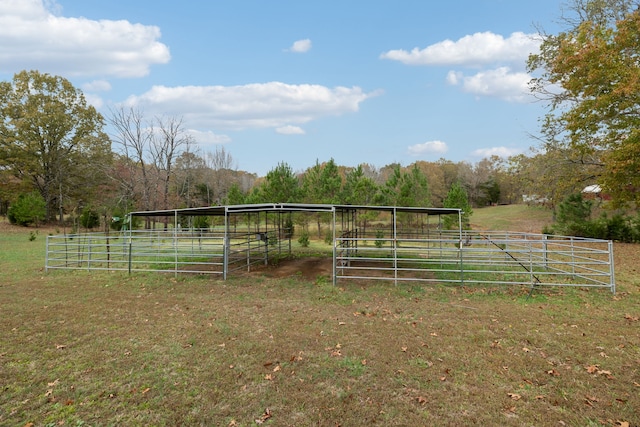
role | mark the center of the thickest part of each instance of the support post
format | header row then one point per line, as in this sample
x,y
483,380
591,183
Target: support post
x,y
611,269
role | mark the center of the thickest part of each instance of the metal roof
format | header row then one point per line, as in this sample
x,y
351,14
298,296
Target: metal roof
x,y
291,207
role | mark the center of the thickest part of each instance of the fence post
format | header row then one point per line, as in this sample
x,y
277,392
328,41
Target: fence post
x,y
46,257
461,249
130,255
89,254
612,269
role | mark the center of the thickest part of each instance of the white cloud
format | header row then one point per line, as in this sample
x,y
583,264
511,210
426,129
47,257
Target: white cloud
x,y
498,63
496,151
429,147
258,105
300,46
94,100
33,37
97,86
471,50
290,130
499,83
208,137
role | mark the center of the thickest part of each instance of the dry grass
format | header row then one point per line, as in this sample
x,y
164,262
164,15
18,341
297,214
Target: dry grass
x,y
111,349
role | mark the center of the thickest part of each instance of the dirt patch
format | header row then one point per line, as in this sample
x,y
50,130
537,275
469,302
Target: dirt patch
x,y
306,267
310,268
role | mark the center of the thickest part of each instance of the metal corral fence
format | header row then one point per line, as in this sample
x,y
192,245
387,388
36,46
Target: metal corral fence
x,y
489,258
194,251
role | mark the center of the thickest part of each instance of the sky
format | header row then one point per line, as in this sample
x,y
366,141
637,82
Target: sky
x,y
359,81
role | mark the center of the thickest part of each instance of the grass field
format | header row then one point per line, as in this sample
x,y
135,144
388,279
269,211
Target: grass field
x,y
103,349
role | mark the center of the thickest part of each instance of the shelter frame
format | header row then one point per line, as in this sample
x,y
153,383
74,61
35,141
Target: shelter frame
x,y
343,226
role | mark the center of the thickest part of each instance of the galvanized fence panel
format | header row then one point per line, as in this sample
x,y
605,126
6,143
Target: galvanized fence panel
x,y
481,258
487,258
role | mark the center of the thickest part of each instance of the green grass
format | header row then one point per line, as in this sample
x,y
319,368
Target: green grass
x,y
512,218
102,349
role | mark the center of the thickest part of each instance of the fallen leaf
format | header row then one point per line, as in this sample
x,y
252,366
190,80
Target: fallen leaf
x,y
404,349
514,396
146,390
277,368
60,346
631,318
265,416
622,423
592,369
268,377
54,383
421,400
553,372
526,350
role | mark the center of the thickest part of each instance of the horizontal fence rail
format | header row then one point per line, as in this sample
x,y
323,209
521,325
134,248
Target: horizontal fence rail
x,y
490,258
485,258
160,251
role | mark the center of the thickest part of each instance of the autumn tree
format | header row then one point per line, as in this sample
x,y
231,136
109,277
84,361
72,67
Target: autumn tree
x,y
589,76
190,170
52,138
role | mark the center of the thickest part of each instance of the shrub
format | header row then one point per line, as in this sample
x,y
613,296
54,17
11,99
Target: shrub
x,y
328,237
379,236
304,239
89,218
619,229
201,222
30,208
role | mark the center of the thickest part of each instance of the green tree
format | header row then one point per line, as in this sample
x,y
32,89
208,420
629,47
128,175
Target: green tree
x,y
235,196
280,185
330,183
28,209
322,183
457,197
590,80
359,189
51,137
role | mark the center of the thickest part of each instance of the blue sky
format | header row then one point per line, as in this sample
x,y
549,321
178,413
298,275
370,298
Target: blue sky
x,y
299,81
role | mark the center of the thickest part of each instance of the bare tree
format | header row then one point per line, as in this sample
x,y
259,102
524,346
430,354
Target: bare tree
x,y
171,137
222,167
134,139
